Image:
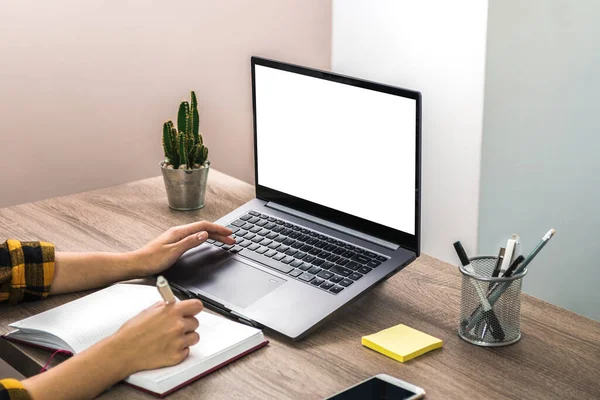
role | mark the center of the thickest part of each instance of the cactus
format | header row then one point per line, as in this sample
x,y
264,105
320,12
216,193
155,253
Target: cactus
x,y
166,141
182,117
183,149
195,119
184,145
170,143
202,154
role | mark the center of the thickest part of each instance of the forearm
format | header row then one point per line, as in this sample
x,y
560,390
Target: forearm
x,y
81,271
84,376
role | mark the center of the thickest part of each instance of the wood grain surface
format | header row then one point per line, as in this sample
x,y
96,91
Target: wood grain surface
x,y
557,357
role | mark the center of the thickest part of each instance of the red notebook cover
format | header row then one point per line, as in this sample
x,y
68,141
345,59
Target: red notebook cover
x,y
263,344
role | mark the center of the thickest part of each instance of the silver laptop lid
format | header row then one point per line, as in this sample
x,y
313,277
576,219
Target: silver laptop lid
x,y
339,148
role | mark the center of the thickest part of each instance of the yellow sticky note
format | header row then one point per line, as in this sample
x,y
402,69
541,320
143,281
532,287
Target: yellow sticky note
x,y
401,342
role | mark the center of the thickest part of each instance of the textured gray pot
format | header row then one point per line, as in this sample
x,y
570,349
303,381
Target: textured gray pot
x,y
185,188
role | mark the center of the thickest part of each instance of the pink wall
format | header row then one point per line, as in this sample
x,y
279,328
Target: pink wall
x,y
86,86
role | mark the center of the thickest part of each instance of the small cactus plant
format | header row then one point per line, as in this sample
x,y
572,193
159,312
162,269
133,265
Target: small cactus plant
x,y
183,145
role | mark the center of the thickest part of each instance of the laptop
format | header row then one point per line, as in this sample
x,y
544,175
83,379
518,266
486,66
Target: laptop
x,y
337,207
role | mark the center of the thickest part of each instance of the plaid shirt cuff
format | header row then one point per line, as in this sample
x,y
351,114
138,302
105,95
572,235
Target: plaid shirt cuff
x,y
12,389
26,270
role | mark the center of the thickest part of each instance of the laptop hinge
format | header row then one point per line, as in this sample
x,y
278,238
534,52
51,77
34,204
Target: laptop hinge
x,y
217,306
331,225
245,320
208,302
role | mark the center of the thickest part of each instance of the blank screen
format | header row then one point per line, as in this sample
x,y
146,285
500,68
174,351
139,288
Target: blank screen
x,y
374,389
340,146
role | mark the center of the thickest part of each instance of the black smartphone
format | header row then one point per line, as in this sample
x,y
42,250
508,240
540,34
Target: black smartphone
x,y
381,387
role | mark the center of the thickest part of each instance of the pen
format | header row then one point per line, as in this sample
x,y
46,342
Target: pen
x,y
165,290
511,270
535,251
488,313
512,248
498,262
496,271
508,273
500,288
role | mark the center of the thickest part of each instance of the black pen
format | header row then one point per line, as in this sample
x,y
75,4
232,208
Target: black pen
x,y
498,265
513,266
498,262
508,273
488,313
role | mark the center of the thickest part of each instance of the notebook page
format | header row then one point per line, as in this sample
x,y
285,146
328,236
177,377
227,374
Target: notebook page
x,y
86,321
217,334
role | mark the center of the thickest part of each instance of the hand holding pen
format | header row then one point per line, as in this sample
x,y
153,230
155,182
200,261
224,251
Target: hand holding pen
x,y
157,337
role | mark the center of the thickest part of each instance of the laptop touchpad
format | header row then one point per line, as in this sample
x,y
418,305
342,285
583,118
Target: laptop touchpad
x,y
238,283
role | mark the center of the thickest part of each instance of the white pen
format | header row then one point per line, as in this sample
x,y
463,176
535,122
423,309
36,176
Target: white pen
x,y
512,251
165,290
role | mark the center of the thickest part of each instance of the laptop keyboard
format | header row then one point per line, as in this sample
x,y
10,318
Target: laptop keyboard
x,y
310,257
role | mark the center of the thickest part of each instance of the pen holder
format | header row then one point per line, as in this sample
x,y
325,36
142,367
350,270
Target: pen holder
x,y
481,325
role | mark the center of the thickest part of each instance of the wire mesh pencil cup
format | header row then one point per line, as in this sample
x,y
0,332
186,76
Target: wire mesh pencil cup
x,y
480,325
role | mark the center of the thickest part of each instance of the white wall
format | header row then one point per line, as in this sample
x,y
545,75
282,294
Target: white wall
x,y
437,48
541,144
86,85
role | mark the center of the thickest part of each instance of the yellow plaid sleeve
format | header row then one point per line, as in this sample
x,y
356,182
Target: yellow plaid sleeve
x,y
26,270
12,389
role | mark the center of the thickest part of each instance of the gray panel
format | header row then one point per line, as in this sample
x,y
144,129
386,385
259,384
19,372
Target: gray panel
x,y
540,144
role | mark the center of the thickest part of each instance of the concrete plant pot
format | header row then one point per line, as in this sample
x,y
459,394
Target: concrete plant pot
x,y
185,188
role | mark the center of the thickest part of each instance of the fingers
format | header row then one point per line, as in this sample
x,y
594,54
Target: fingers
x,y
189,308
179,356
158,304
190,324
195,238
223,239
184,353
191,339
191,241
182,231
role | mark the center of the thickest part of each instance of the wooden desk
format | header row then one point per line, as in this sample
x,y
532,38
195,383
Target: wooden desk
x,y
558,355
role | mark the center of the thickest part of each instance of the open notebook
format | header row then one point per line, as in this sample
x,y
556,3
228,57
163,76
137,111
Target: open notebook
x,y
77,325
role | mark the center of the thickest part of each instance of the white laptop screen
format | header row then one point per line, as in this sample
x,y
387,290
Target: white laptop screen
x,y
344,147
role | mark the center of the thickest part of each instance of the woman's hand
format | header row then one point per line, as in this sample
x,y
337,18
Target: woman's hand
x,y
81,271
159,336
163,251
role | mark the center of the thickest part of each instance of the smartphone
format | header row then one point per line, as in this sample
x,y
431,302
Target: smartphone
x,y
381,387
